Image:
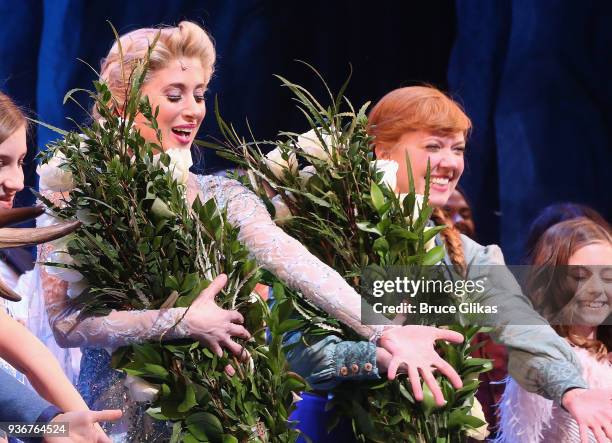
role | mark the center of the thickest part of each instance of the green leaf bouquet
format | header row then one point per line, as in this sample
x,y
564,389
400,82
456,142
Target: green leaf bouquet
x,y
325,188
142,246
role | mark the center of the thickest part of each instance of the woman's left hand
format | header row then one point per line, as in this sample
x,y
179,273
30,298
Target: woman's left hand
x,y
592,409
414,347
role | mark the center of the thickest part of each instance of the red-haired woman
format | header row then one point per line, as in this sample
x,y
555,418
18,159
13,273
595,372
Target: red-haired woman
x,y
426,125
571,285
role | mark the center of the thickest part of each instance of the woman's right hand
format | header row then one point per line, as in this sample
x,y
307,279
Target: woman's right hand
x,y
214,327
413,346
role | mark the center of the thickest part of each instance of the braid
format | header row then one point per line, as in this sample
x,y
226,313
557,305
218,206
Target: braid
x,y
452,241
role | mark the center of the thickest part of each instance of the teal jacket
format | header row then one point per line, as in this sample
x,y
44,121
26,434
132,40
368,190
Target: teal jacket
x,y
538,358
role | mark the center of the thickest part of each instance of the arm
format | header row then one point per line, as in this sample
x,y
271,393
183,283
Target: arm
x,y
331,361
538,358
24,351
281,254
203,320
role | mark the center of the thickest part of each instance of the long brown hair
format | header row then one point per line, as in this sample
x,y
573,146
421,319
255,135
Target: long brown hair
x,y
11,117
415,108
548,284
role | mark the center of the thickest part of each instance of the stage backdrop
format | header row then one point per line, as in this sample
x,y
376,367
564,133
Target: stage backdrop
x,y
532,77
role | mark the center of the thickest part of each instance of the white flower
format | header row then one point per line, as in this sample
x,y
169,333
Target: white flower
x,y
389,169
53,176
60,255
46,220
180,162
77,287
307,172
482,432
277,164
140,390
282,211
311,145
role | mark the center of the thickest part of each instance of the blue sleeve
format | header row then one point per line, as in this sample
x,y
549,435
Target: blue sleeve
x,y
331,360
18,402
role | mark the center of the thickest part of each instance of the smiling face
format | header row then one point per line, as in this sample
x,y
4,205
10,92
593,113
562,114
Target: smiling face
x,y
178,90
12,152
445,154
590,275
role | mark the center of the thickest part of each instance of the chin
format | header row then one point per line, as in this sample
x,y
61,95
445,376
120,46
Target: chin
x,y
438,200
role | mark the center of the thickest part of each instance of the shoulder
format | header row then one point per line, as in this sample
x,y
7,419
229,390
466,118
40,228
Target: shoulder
x,y
477,254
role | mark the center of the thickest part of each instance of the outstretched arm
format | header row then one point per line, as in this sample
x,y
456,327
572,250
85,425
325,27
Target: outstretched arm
x,y
24,351
281,254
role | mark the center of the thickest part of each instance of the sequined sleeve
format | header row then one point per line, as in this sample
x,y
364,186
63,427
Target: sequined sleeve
x,y
116,329
283,255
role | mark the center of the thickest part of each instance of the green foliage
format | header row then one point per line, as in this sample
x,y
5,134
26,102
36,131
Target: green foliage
x,y
142,246
346,216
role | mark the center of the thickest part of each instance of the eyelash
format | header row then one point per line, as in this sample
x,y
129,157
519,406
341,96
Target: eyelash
x,y
20,163
177,98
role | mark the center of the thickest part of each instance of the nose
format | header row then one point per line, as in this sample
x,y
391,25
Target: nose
x,y
14,183
594,286
194,109
447,160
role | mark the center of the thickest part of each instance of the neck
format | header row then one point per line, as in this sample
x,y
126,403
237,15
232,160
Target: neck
x,y
588,332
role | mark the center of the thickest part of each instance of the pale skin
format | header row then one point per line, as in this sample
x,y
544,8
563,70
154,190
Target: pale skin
x,y
22,349
591,408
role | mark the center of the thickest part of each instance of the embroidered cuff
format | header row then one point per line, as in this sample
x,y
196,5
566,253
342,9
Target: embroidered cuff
x,y
355,360
554,379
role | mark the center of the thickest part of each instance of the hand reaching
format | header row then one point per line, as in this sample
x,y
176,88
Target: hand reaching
x,y
413,347
83,426
213,326
592,409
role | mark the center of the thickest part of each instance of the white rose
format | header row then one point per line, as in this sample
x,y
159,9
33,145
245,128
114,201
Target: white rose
x,y
277,164
389,169
311,145
47,219
482,432
140,390
60,255
180,162
53,176
307,172
76,288
282,211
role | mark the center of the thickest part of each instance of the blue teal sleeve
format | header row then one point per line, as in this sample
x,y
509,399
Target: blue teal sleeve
x,y
331,360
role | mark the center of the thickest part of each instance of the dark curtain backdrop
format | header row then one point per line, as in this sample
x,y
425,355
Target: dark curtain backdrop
x,y
532,75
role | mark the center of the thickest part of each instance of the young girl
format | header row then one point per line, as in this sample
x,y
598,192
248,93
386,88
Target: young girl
x,y
18,347
571,285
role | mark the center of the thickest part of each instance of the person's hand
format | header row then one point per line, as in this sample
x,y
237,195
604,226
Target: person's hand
x,y
412,346
213,326
592,409
83,426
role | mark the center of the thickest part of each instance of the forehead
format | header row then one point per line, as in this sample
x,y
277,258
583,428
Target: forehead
x,y
426,136
595,254
186,71
15,145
